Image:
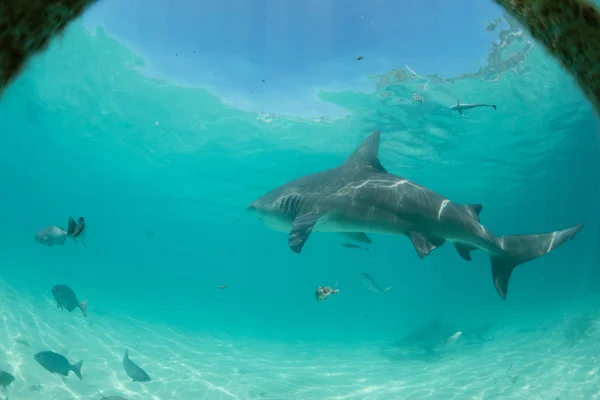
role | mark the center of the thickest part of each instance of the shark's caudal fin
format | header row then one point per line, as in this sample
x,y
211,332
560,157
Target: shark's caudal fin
x,y
522,248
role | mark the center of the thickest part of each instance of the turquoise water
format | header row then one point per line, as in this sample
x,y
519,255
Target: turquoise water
x,y
163,174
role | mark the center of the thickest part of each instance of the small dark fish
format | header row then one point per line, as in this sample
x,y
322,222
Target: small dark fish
x,y
111,397
77,230
57,363
133,371
354,246
65,298
222,287
359,58
5,378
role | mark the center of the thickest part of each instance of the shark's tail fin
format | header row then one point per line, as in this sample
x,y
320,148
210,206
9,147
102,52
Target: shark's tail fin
x,y
522,248
387,289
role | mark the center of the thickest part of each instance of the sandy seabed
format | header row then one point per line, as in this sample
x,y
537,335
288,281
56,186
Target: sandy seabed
x,y
548,361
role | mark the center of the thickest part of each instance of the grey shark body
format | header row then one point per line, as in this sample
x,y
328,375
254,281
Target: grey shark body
x,y
361,196
460,107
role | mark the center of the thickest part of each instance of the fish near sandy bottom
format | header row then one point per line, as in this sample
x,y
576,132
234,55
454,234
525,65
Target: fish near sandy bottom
x,y
136,373
5,378
57,363
361,196
66,299
111,397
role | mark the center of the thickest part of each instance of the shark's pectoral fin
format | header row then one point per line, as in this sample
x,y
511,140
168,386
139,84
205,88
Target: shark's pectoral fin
x,y
464,250
459,111
301,228
424,245
358,236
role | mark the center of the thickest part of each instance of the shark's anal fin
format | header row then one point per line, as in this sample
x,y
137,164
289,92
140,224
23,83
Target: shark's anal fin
x,y
358,236
464,250
424,245
301,228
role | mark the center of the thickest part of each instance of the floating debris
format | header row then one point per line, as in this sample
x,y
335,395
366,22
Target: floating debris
x,y
323,292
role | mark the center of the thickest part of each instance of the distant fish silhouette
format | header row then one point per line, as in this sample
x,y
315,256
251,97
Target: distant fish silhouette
x,y
354,246
111,397
222,287
5,378
460,107
371,284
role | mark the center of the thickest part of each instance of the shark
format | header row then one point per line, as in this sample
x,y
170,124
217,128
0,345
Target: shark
x,y
360,196
460,107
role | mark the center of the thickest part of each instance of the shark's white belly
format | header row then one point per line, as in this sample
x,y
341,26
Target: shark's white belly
x,y
325,224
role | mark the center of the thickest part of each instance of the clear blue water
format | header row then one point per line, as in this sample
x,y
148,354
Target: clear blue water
x,y
163,172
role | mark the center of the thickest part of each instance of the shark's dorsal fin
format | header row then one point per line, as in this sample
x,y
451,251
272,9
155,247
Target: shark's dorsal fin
x,y
475,210
365,157
458,103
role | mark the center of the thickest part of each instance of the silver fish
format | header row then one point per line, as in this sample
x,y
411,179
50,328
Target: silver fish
x,y
57,363
133,371
57,236
66,299
371,284
5,378
52,236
